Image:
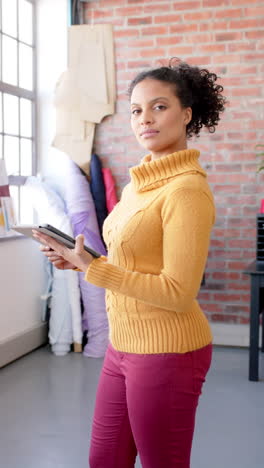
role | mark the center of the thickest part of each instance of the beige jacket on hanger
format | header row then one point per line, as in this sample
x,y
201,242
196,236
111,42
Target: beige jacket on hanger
x,y
85,93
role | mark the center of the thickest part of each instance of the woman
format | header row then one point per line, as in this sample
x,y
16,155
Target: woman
x,y
157,238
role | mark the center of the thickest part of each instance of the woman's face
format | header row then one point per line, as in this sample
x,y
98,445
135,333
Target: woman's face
x,y
158,119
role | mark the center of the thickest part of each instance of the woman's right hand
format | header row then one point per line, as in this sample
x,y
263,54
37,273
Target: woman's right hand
x,y
59,262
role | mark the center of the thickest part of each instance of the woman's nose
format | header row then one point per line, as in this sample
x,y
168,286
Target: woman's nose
x,y
146,117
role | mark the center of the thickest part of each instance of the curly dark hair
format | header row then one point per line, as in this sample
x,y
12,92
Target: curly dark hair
x,y
195,87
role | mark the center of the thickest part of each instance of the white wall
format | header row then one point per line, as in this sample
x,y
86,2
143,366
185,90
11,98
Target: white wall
x,y
52,50
22,276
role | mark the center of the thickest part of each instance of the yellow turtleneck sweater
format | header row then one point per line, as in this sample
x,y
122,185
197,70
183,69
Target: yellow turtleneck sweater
x,y
157,237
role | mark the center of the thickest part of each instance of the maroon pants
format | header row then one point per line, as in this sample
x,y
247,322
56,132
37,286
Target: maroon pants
x,y
146,404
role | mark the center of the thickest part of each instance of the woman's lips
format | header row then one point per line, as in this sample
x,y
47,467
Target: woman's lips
x,y
149,133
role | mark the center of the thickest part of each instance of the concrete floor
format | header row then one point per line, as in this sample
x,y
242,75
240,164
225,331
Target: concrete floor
x,y
46,406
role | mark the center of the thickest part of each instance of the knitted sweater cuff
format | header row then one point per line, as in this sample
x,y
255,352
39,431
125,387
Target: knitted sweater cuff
x,y
102,274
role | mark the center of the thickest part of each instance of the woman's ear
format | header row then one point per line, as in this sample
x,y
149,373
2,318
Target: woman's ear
x,y
188,115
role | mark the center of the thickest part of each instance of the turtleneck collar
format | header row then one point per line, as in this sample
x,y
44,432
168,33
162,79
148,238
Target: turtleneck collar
x,y
152,174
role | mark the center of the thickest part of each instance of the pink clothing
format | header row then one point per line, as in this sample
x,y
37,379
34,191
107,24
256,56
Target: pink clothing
x,y
110,193
146,403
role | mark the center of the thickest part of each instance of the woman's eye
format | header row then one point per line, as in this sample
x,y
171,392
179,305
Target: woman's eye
x,y
160,107
135,111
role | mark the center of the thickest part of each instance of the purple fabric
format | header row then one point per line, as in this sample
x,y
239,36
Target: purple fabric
x,y
4,191
81,210
79,221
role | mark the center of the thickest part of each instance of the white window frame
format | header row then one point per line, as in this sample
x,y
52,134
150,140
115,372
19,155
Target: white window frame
x,y
18,180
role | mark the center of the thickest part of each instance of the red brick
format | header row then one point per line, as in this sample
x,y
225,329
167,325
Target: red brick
x,y
139,20
200,15
215,3
152,31
213,26
96,13
211,48
180,50
204,296
239,222
258,80
129,11
256,124
257,57
228,13
227,188
157,8
244,24
241,46
212,308
228,168
242,2
241,243
226,275
246,92
152,53
223,297
167,19
226,233
138,64
243,69
254,34
183,28
217,243
257,11
237,265
199,38
170,40
186,5
232,58
124,33
140,43
215,264
200,61
224,318
228,36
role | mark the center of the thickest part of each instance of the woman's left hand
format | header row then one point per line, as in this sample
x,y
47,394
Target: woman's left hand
x,y
78,257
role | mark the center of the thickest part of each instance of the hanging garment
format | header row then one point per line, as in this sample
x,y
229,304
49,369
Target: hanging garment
x,y
81,210
65,303
110,193
98,190
83,98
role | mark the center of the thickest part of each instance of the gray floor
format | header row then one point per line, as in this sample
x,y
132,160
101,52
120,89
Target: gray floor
x,y
46,406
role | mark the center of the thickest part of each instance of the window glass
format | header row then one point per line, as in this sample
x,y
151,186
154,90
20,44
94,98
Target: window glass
x,y
25,117
9,60
25,21
26,157
9,17
11,155
25,67
11,114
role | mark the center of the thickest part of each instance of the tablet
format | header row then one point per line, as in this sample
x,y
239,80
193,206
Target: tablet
x,y
26,230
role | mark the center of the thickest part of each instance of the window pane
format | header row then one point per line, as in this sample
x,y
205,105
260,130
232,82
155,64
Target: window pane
x,y
25,67
26,207
26,157
11,114
9,17
15,194
1,117
9,60
11,153
25,21
25,117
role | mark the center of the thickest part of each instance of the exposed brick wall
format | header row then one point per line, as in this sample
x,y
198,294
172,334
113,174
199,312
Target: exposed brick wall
x,y
226,36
